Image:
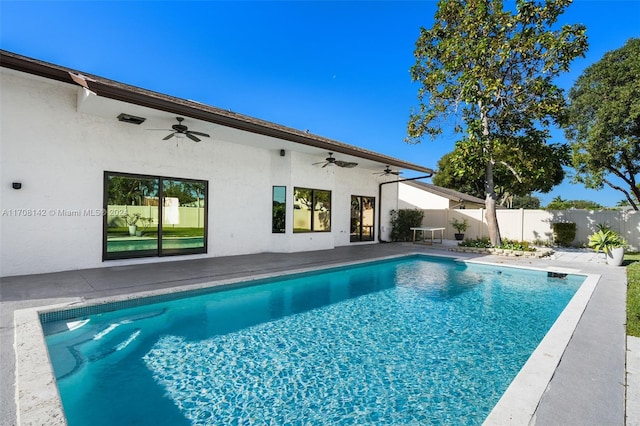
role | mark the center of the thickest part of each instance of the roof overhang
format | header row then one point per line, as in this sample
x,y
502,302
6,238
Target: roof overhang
x,y
134,95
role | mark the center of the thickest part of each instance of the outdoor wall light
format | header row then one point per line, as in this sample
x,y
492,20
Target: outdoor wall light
x,y
16,185
282,153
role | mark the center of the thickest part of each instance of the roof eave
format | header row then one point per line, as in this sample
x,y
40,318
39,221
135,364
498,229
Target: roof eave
x,y
134,95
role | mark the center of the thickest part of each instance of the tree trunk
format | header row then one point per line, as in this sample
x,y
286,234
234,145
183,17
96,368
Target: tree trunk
x,y
636,192
490,204
490,187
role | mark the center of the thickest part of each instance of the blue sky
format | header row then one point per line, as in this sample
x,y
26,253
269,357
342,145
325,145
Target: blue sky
x,y
338,69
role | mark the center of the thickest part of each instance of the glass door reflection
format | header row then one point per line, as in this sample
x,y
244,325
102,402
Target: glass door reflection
x,y
183,216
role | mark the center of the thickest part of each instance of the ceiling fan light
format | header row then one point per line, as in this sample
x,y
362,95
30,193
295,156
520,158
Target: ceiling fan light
x,y
180,135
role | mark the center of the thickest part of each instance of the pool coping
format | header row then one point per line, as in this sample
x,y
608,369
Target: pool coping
x,y
520,401
38,400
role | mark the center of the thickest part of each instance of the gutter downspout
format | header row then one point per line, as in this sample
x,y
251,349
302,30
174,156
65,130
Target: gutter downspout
x,y
380,202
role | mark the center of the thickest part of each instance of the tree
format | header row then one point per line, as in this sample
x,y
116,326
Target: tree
x,y
125,190
603,123
557,203
526,202
448,176
540,171
625,202
492,71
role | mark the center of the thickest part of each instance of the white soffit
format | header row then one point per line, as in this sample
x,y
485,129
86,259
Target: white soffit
x,y
109,109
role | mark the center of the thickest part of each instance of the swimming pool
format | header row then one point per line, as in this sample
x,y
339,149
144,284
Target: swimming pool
x,y
395,342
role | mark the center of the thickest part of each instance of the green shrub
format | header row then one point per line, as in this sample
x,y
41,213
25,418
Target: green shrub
x,y
541,243
506,244
402,221
516,245
564,233
477,243
460,226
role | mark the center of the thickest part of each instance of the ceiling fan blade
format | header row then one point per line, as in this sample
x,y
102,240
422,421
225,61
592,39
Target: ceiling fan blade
x,y
198,133
169,136
193,138
387,171
326,164
346,164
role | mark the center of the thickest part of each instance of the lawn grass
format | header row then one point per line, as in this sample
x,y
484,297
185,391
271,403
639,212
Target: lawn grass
x,y
632,262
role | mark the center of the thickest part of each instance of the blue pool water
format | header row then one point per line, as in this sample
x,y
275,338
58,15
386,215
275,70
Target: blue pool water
x,y
410,341
143,243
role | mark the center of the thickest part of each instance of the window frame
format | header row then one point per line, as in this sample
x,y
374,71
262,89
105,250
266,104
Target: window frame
x,y
312,211
275,230
359,234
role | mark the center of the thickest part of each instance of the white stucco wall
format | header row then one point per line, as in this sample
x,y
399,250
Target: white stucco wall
x,y
59,155
390,202
411,197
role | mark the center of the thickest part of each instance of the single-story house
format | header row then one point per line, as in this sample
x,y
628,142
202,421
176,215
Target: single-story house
x,y
99,173
422,195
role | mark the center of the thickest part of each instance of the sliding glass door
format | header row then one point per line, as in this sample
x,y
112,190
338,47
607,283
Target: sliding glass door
x,y
183,223
138,224
362,218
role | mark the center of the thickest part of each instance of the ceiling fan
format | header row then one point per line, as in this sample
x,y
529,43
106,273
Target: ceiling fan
x,y
180,130
387,172
330,160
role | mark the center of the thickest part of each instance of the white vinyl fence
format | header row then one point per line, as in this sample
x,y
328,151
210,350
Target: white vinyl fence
x,y
535,225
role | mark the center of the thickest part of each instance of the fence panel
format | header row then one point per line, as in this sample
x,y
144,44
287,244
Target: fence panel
x,y
536,225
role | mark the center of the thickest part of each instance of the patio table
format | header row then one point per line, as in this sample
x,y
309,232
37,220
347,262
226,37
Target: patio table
x,y
424,231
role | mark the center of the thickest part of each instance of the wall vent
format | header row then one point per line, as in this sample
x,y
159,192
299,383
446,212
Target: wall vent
x,y
128,118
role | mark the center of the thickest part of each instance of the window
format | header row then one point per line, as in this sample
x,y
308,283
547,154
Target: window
x,y
311,210
137,224
279,210
362,218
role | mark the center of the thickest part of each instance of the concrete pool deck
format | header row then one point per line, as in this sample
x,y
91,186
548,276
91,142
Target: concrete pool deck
x,y
587,387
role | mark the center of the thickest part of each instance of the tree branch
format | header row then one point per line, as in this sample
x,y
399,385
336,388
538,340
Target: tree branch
x,y
512,171
626,194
